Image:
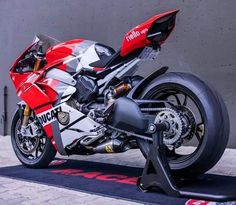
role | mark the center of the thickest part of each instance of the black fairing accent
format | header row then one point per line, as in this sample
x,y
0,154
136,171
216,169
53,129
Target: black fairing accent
x,y
161,29
115,59
127,116
86,89
103,62
138,89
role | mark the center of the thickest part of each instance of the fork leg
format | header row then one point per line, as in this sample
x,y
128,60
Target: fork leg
x,y
27,112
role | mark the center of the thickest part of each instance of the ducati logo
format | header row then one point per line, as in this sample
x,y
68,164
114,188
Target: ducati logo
x,y
47,117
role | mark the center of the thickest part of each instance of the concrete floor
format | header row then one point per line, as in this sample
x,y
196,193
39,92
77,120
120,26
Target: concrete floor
x,y
17,192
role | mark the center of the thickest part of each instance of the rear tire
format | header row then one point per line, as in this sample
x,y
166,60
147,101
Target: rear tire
x,y
47,155
213,111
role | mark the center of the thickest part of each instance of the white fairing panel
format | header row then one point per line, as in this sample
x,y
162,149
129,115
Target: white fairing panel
x,y
69,91
78,126
61,76
88,57
85,54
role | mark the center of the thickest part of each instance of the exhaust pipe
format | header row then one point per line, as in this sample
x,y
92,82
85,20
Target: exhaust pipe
x,y
112,146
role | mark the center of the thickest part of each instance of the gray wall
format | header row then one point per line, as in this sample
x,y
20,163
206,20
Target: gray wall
x,y
203,41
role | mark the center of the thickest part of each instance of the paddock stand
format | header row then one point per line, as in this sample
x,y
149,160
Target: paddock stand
x,y
157,175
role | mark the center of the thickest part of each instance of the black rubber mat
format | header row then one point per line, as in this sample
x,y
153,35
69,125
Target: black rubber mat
x,y
113,181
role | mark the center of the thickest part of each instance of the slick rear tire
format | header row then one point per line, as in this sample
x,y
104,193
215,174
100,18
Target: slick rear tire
x,y
214,114
47,155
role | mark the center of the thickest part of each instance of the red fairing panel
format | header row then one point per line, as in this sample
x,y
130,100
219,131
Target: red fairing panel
x,y
66,47
137,37
73,55
38,91
31,93
17,78
62,51
49,86
39,100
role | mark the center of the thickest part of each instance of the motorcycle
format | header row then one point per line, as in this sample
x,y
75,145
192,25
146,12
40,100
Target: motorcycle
x,y
82,97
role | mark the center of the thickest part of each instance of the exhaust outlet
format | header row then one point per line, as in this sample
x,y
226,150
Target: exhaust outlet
x,y
112,146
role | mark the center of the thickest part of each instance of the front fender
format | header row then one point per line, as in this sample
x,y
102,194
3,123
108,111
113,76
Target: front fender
x,y
137,90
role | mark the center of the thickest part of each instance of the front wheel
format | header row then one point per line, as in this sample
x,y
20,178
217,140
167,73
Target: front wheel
x,y
33,152
198,118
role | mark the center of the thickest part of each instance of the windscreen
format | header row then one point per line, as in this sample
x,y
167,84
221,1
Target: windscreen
x,y
47,41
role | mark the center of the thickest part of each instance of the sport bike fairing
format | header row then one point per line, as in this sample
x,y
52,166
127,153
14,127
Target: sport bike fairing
x,y
78,53
82,97
159,26
46,91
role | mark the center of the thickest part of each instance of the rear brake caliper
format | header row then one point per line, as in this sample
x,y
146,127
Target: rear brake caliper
x,y
189,122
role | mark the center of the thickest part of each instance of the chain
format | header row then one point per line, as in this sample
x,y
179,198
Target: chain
x,y
157,109
131,134
147,110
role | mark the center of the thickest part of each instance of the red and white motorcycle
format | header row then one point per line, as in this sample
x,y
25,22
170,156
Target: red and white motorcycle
x,y
82,97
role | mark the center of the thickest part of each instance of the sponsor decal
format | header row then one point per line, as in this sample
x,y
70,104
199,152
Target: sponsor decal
x,y
63,118
123,179
109,148
135,34
47,117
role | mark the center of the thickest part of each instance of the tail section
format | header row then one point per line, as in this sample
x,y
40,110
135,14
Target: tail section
x,y
153,32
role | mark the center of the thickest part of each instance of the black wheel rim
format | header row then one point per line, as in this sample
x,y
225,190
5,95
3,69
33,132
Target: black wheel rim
x,y
180,96
31,148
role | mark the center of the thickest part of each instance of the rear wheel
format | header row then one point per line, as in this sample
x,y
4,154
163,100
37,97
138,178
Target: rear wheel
x,y
33,152
199,122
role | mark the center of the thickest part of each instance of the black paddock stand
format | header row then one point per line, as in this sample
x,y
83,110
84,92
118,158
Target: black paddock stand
x,y
157,174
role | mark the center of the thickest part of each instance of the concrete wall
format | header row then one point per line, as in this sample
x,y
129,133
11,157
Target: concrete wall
x,y
203,41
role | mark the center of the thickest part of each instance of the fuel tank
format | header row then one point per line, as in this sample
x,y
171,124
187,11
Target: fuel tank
x,y
77,54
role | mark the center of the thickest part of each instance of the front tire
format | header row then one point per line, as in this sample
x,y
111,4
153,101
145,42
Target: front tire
x,y
29,159
214,115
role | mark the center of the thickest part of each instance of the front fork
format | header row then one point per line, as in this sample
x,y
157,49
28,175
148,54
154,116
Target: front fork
x,y
26,115
27,110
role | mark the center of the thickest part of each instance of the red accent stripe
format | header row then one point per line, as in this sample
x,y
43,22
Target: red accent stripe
x,y
98,69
